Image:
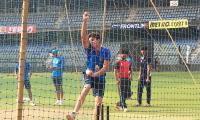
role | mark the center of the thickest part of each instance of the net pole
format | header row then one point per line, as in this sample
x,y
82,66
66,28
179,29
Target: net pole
x,y
22,54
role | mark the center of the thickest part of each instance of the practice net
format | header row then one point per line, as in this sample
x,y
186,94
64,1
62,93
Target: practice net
x,y
168,28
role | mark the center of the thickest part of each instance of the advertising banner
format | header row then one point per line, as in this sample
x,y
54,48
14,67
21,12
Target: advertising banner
x,y
16,29
162,24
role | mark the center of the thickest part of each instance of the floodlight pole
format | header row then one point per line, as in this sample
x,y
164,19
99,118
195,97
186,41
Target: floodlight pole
x,y
22,57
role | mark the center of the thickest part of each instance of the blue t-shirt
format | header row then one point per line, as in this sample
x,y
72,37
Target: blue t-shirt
x,y
58,66
96,60
27,68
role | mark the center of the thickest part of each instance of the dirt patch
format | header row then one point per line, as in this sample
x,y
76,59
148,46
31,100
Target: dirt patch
x,y
43,113
59,113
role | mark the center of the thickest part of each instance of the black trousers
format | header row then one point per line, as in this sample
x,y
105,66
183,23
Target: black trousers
x,y
125,91
141,85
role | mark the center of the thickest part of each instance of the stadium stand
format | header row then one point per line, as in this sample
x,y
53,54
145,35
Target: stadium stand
x,y
165,50
96,18
37,56
41,20
54,21
181,12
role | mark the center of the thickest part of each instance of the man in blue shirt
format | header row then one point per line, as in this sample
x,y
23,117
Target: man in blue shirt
x,y
98,60
27,76
144,78
57,73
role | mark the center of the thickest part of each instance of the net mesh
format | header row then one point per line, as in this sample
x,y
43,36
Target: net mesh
x,y
55,24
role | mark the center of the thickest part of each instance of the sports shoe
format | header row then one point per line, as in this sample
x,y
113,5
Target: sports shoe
x,y
57,102
125,109
32,103
25,99
61,102
71,116
148,105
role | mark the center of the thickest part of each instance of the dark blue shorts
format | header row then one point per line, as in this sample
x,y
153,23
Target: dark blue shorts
x,y
97,85
58,85
27,84
57,81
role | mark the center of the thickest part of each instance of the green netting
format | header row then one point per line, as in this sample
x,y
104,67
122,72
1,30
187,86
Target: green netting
x,y
56,24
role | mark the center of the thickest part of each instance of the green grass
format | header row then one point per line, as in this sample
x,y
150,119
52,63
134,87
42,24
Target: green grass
x,y
174,96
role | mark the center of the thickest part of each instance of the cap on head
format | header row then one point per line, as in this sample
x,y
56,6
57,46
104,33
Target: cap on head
x,y
54,52
95,35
